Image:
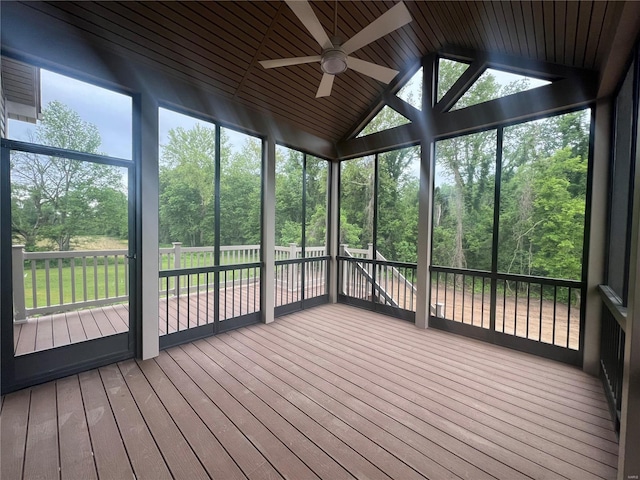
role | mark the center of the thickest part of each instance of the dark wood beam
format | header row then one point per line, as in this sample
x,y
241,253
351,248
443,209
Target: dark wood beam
x,y
403,108
553,98
546,100
386,140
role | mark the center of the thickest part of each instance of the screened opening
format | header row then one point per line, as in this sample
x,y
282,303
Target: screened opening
x,y
508,229
385,119
411,92
301,229
493,84
210,226
448,72
378,231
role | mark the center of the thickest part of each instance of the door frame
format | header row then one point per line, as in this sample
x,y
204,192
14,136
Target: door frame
x,y
37,367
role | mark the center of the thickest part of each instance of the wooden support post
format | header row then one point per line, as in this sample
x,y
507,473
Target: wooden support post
x,y
343,253
177,262
19,304
267,281
148,208
293,268
333,226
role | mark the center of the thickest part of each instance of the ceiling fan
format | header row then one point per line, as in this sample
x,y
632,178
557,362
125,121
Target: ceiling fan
x,y
335,57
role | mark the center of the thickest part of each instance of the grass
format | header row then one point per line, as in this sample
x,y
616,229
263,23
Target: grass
x,y
94,290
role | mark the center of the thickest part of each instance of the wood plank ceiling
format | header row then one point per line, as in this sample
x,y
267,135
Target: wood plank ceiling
x,y
218,44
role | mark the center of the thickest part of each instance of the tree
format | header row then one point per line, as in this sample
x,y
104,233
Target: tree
x,y
56,198
187,188
241,194
187,174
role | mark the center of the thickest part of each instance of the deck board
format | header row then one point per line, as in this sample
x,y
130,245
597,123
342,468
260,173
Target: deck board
x,y
440,407
175,314
145,456
109,452
76,455
13,433
331,392
41,455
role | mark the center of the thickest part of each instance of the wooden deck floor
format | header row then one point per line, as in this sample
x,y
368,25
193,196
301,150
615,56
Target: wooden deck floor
x,y
56,330
332,392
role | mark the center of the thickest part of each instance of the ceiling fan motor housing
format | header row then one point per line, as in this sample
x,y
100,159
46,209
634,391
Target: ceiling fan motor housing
x,y
333,61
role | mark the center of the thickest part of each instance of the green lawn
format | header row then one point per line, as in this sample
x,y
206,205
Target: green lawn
x,y
93,290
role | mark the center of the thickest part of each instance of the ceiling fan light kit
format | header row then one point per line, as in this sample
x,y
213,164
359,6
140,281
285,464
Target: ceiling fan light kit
x,y
334,59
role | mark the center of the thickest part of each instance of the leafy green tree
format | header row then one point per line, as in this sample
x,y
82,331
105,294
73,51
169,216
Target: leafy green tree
x,y
241,194
187,174
398,184
316,202
356,201
55,198
288,196
558,212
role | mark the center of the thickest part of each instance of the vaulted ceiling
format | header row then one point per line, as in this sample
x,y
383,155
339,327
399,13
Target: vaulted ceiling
x,y
219,44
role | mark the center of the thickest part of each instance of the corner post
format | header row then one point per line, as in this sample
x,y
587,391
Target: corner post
x,y
147,211
267,283
425,194
333,228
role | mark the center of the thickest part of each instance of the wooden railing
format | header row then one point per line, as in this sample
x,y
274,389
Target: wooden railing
x,y
541,309
50,282
612,344
386,284
62,281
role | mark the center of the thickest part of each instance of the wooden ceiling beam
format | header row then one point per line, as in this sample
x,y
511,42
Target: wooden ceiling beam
x,y
556,97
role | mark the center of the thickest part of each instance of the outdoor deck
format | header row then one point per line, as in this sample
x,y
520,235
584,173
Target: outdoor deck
x,y
56,330
332,392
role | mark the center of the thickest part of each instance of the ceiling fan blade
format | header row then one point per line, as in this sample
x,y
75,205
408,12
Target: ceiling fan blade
x,y
324,90
286,62
305,13
394,18
373,70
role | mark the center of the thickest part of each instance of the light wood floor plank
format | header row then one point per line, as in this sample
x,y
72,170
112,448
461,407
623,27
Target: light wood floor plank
x,y
13,433
384,424
279,396
76,454
44,333
274,449
76,329
146,459
354,412
245,454
174,448
498,432
333,392
112,461
41,457
210,452
310,453
493,407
